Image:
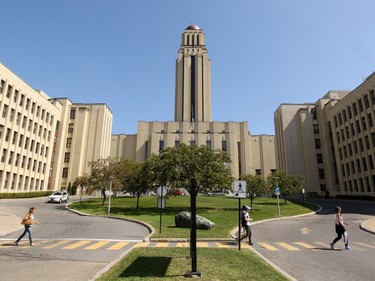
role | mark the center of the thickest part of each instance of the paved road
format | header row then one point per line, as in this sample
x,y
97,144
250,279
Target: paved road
x,y
300,246
69,247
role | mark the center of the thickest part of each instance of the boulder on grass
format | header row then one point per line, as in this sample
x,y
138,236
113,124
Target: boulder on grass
x,y
183,219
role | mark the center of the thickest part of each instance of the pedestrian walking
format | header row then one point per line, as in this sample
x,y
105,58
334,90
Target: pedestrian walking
x,y
340,227
246,223
27,221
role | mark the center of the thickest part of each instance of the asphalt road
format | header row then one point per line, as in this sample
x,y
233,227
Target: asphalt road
x,y
300,246
69,247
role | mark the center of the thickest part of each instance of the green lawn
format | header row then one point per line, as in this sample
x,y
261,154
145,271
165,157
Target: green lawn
x,y
172,263
223,211
150,264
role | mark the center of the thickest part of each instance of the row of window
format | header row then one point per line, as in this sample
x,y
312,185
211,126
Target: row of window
x,y
23,121
355,108
192,142
22,102
356,146
360,185
25,142
16,159
20,182
355,128
357,166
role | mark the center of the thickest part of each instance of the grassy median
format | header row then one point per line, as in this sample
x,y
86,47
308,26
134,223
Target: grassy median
x,y
223,211
172,263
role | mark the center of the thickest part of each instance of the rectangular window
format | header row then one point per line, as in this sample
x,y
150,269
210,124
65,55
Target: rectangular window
x,y
70,128
3,155
9,91
11,115
2,84
73,114
65,173
14,140
22,97
208,143
68,142
10,159
161,145
7,135
224,145
67,157
5,111
15,96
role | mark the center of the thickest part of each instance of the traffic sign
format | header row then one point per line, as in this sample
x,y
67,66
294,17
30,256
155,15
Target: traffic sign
x,y
162,191
277,191
239,189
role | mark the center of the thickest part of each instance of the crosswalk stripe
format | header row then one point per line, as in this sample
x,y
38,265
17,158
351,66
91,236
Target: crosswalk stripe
x,y
364,245
118,246
287,246
60,243
161,245
142,244
97,245
202,244
305,245
76,245
268,246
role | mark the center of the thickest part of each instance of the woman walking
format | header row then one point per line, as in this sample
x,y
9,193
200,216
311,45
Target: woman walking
x,y
27,221
340,229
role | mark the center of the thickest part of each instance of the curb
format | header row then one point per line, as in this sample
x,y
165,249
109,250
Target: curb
x,y
149,227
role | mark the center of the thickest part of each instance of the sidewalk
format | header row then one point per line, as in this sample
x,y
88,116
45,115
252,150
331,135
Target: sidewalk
x,y
9,223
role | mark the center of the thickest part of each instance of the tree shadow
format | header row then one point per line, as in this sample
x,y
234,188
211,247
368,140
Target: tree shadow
x,y
148,267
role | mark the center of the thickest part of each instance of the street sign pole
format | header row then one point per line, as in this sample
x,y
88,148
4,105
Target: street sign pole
x,y
239,224
239,191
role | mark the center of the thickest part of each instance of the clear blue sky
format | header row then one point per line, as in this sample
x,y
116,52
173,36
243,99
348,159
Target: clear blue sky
x,y
123,52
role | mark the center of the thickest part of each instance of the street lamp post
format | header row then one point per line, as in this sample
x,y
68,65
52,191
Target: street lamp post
x,y
110,179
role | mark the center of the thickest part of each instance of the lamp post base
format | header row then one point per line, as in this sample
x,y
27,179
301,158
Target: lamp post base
x,y
191,274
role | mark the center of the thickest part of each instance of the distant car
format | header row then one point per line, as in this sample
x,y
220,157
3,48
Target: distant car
x,y
59,197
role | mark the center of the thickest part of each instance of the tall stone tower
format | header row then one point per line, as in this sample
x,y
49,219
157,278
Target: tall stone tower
x,y
193,78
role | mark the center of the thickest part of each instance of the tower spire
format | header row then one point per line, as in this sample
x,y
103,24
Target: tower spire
x,y
193,78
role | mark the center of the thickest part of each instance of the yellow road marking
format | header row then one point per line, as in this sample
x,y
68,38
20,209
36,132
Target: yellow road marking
x,y
161,245
97,245
118,246
364,245
142,244
287,246
57,244
182,244
202,244
268,247
76,245
305,245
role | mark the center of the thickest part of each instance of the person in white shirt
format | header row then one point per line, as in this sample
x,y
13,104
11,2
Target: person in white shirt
x,y
246,222
340,227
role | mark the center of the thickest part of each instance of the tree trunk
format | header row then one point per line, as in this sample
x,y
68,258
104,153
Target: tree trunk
x,y
104,196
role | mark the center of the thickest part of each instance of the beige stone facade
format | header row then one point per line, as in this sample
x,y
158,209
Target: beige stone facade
x,y
193,124
330,142
27,132
46,143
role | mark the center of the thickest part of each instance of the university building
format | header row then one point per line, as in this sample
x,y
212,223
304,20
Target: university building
x,y
192,122
330,142
46,143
